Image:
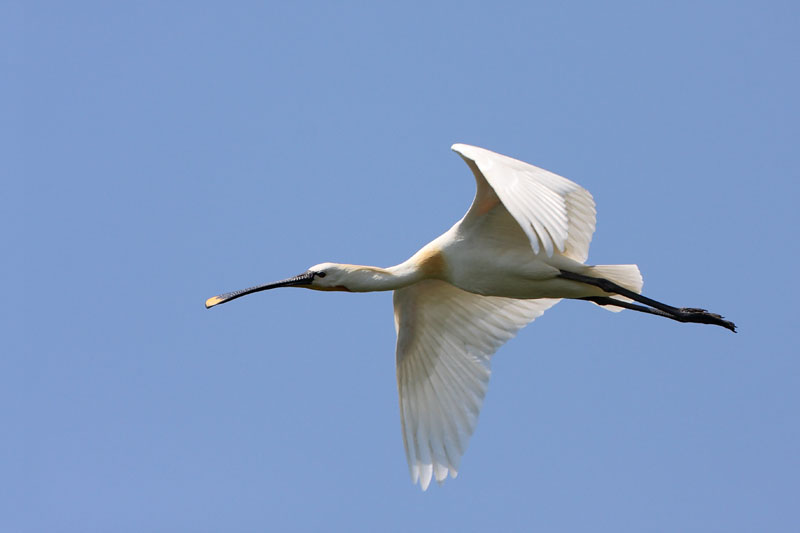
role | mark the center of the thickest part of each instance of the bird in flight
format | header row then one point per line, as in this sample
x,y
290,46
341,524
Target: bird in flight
x,y
520,249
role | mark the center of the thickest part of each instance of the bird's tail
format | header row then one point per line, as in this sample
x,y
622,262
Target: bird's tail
x,y
627,276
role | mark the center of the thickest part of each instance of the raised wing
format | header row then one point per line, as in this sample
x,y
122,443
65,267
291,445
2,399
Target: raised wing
x,y
445,339
555,213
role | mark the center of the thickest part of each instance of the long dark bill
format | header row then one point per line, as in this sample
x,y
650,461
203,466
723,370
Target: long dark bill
x,y
303,279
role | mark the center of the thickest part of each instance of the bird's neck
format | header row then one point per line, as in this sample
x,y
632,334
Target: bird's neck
x,y
404,274
369,278
428,263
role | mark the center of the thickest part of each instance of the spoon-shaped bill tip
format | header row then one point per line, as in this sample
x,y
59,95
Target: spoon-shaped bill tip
x,y
211,302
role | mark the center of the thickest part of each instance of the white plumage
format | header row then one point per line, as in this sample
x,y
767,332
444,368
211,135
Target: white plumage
x,y
445,340
519,249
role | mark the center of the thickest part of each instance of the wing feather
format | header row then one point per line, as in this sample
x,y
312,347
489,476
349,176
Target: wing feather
x,y
445,339
554,212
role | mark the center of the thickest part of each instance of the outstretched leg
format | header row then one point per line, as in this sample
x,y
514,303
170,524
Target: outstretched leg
x,y
681,314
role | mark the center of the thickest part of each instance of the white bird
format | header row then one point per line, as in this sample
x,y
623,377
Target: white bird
x,y
519,249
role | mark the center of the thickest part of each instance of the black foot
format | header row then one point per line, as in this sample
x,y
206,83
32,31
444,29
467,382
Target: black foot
x,y
653,307
701,316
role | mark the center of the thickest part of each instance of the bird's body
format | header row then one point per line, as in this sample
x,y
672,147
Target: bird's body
x,y
491,256
519,249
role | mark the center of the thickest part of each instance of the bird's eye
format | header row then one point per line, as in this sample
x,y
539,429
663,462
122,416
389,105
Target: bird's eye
x,y
321,274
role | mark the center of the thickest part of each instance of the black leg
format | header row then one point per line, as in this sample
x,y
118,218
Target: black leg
x,y
682,314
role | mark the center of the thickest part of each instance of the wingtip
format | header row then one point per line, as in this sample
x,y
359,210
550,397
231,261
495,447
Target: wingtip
x,y
460,148
425,476
424,483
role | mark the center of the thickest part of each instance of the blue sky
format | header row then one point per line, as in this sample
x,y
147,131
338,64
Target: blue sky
x,y
158,153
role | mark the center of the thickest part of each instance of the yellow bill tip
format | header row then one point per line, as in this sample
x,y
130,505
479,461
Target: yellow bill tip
x,y
211,302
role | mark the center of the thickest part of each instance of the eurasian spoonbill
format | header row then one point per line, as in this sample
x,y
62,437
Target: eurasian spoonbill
x,y
519,249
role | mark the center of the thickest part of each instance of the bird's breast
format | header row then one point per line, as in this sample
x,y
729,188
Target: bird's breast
x,y
431,262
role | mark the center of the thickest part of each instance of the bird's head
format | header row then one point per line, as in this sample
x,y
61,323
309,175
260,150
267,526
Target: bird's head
x,y
321,277
333,277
